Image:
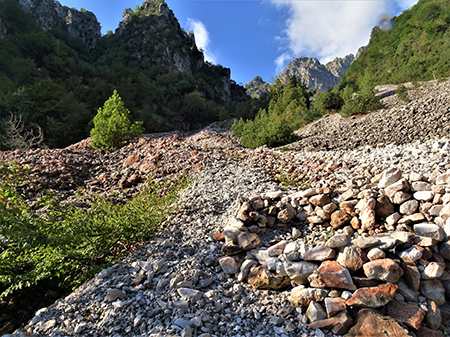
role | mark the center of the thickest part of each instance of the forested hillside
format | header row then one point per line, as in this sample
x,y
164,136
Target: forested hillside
x,y
55,81
416,48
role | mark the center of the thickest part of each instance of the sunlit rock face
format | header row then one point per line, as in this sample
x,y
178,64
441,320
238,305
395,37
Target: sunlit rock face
x,y
51,14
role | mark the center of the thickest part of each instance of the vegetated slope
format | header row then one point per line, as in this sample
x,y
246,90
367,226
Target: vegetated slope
x,y
415,49
56,77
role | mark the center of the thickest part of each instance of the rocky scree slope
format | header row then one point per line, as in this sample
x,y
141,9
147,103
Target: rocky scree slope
x,y
425,115
184,281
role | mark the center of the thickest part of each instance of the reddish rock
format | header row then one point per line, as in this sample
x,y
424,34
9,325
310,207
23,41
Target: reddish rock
x,y
373,297
320,200
249,241
332,275
349,208
263,278
130,161
218,236
370,323
334,305
339,324
301,297
383,270
339,218
411,276
406,312
355,223
384,207
319,253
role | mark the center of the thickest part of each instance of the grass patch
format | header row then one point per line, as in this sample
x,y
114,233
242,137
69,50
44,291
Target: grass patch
x,y
72,244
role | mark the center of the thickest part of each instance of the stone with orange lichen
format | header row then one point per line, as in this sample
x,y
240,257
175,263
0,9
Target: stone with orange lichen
x,y
373,297
370,323
339,218
332,275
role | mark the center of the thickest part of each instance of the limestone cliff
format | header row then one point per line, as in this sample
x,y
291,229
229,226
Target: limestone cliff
x,y
153,33
51,14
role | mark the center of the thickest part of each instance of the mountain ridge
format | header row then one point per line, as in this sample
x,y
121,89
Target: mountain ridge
x,y
309,70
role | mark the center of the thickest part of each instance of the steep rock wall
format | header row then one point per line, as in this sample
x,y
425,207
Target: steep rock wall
x,y
51,14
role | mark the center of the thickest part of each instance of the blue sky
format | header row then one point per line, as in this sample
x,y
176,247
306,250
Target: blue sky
x,y
259,38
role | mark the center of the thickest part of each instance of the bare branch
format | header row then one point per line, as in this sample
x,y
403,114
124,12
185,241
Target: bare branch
x,y
18,138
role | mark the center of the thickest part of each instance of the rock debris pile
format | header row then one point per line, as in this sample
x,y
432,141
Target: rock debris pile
x,y
360,247
425,116
390,250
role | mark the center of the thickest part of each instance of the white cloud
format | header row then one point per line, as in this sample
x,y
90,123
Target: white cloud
x,y
282,60
405,4
330,28
201,38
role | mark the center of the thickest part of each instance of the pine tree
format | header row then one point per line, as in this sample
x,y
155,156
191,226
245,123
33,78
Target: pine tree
x,y
112,125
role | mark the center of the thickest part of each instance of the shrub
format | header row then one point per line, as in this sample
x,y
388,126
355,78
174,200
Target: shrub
x,y
71,244
274,125
360,102
327,100
401,92
112,125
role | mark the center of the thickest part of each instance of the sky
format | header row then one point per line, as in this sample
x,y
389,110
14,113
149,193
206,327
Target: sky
x,y
260,37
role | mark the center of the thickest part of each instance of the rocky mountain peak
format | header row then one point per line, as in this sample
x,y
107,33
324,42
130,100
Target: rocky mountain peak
x,y
339,66
315,74
256,87
311,71
51,14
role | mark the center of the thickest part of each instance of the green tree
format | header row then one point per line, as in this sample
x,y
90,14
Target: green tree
x,y
112,125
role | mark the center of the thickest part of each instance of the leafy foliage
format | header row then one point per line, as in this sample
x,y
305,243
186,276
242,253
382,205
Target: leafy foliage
x,y
71,244
53,80
287,110
359,102
416,48
112,125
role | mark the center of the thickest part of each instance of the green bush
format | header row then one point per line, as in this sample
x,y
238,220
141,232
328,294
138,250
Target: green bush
x,y
328,100
71,244
112,125
283,111
360,102
401,92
